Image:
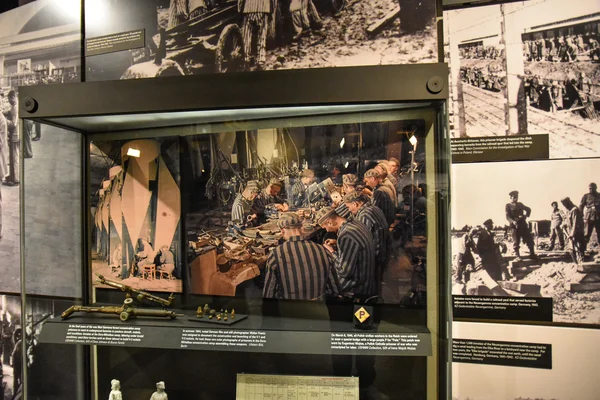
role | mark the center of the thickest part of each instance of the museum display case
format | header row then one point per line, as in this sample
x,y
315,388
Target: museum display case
x,y
241,236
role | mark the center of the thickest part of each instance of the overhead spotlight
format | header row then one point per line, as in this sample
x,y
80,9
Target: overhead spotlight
x,y
413,140
342,143
133,152
346,165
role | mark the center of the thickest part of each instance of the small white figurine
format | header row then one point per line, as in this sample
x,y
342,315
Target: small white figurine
x,y
160,393
115,393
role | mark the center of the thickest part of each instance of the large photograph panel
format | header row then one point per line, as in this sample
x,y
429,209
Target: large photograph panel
x,y
185,37
309,212
527,68
529,231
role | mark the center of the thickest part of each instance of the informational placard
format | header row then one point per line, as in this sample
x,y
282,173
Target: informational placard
x,y
500,148
259,387
515,354
504,308
269,336
116,42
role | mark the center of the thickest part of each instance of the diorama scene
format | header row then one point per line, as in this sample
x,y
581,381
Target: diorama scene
x,y
538,75
186,37
531,231
39,356
40,45
136,211
309,212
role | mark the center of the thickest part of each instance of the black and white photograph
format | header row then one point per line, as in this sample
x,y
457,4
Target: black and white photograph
x,y
575,358
39,44
189,37
41,359
531,231
271,211
136,210
527,68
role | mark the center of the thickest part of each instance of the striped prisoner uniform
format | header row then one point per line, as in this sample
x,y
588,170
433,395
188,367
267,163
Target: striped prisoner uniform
x,y
300,270
384,202
299,195
241,209
262,200
256,20
355,260
374,219
343,211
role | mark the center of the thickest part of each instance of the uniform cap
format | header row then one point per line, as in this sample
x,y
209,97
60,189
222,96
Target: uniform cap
x,y
289,221
593,184
252,186
355,196
160,385
514,193
488,222
372,174
349,179
275,181
307,173
324,214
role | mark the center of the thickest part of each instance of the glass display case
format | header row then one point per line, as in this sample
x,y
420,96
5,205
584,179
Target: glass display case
x,y
278,234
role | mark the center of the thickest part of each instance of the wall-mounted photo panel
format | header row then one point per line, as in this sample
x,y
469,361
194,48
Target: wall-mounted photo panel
x,y
156,38
528,69
575,358
52,372
39,44
525,241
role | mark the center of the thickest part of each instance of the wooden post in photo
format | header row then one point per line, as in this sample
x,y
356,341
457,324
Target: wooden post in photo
x,y
457,103
516,104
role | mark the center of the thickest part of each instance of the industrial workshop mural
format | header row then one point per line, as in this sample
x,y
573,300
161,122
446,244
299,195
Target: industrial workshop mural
x,y
14,340
40,43
136,206
530,232
184,37
349,199
527,68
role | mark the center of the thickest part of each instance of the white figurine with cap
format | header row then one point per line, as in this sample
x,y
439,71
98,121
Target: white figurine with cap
x,y
115,392
160,393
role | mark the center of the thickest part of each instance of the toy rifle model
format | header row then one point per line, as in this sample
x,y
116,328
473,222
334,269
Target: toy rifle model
x,y
138,294
125,312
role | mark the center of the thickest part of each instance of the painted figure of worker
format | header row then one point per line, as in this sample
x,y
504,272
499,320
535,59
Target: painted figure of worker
x,y
160,393
517,214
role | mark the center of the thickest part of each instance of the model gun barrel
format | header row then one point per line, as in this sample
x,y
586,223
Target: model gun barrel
x,y
125,312
138,294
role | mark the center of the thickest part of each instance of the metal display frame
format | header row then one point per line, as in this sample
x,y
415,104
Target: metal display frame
x,y
426,86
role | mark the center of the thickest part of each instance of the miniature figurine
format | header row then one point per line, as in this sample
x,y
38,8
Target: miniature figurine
x,y
115,392
218,316
232,313
206,309
199,312
160,393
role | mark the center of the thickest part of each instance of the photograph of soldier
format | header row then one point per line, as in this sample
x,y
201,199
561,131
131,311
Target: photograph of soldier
x,y
517,214
191,37
590,206
547,75
299,269
491,257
